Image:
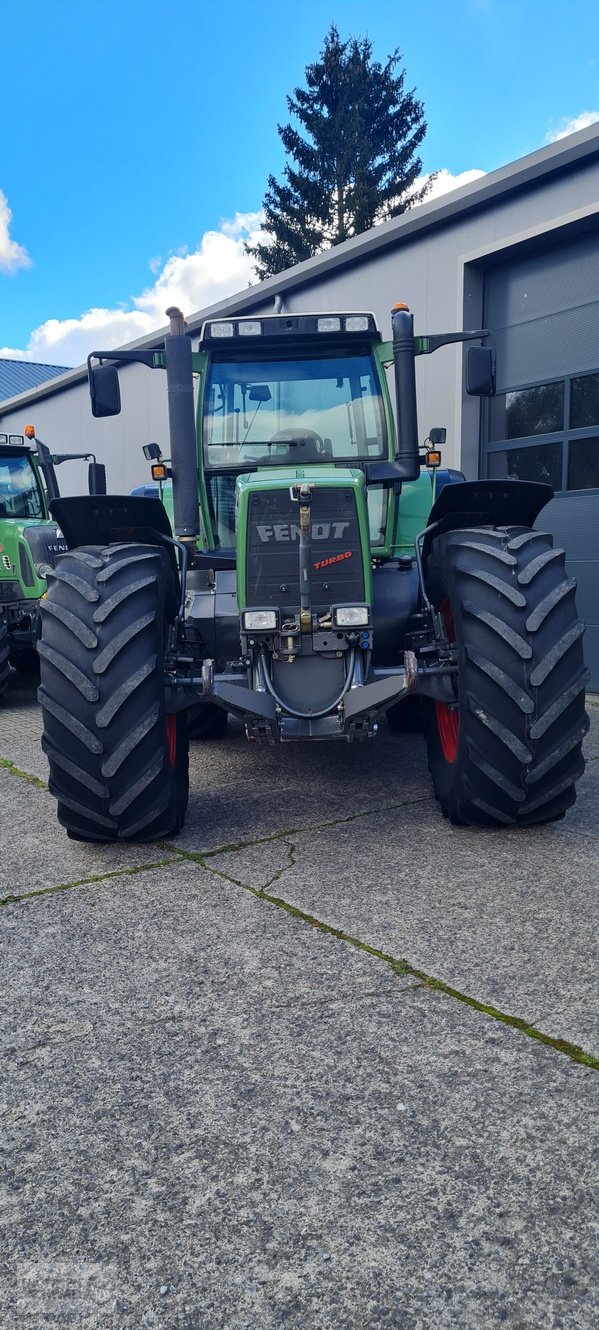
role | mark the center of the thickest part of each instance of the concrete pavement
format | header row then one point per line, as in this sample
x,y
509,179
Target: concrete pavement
x,y
322,1061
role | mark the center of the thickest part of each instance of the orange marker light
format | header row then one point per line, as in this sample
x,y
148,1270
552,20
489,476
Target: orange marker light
x,y
433,459
400,305
29,431
160,471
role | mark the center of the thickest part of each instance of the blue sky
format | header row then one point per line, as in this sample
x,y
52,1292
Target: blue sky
x,y
138,135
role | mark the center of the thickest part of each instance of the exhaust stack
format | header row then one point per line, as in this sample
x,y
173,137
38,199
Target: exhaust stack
x,y
179,378
404,364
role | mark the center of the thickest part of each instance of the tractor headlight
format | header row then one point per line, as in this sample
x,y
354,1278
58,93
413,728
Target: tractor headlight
x,y
328,324
351,616
357,323
256,621
249,328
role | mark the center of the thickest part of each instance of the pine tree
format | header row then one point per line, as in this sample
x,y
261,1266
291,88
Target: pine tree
x,y
356,164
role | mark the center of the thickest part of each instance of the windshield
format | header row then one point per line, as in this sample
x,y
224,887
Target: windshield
x,y
292,412
19,492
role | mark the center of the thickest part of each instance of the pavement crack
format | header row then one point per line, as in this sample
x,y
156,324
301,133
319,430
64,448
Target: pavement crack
x,y
261,890
13,899
200,855
14,770
399,966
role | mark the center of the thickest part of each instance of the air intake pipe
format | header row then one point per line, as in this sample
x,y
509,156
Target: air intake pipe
x,y
179,378
404,364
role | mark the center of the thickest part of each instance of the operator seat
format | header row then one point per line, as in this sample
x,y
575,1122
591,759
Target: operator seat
x,y
297,446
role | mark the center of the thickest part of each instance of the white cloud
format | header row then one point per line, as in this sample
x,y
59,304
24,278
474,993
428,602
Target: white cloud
x,y
217,268
582,121
12,256
445,182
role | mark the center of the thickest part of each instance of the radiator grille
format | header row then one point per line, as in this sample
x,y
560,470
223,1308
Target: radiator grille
x,y
337,573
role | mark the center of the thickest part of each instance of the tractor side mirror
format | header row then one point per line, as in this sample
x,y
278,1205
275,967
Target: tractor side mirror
x,y
260,393
104,390
151,452
437,436
480,371
386,474
96,478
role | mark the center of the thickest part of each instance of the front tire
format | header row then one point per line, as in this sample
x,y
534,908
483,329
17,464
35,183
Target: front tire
x,y
509,751
118,763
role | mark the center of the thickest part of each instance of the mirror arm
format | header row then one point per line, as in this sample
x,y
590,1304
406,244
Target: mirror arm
x,y
424,346
153,359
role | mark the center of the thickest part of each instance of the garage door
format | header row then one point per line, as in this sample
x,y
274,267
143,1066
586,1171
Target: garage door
x,y
543,423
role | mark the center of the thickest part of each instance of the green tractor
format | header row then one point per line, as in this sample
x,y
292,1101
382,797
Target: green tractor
x,y
29,540
315,581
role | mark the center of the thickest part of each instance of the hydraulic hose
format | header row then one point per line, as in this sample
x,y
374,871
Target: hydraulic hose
x,y
307,715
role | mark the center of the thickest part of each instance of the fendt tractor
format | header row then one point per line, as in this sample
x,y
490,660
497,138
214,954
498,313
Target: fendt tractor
x,y
29,538
312,585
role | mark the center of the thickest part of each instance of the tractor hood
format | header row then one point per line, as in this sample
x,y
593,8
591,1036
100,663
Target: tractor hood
x,y
338,565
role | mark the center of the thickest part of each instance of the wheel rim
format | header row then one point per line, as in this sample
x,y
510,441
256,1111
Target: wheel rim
x,y
448,718
171,739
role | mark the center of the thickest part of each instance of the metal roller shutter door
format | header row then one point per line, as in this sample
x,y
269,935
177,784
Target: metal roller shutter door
x,y
544,312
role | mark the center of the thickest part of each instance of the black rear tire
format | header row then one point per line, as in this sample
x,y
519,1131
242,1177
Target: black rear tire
x,y
24,660
207,721
118,763
406,717
509,751
4,664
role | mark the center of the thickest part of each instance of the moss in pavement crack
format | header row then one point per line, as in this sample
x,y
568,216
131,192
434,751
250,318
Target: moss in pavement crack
x,y
398,965
258,891
88,881
200,855
13,770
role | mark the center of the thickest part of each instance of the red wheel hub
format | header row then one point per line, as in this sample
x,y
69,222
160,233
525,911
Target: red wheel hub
x,y
171,739
448,718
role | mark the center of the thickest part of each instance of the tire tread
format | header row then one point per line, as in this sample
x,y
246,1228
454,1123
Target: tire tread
x,y
103,698
521,678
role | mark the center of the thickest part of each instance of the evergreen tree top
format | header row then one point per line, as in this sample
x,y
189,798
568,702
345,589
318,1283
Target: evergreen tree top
x,y
352,163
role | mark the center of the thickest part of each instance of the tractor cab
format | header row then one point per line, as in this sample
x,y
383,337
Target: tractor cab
x,y
319,402
22,496
30,540
288,392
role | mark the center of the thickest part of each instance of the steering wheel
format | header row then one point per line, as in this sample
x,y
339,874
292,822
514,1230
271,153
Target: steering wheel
x,y
298,438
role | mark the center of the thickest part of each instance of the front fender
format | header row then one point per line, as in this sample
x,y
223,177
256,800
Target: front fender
x,y
486,503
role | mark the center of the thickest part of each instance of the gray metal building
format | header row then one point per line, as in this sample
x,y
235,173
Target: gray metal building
x,y
518,252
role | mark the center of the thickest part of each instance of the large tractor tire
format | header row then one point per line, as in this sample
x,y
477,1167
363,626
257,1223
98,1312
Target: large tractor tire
x,y
118,763
207,721
24,660
509,751
4,665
